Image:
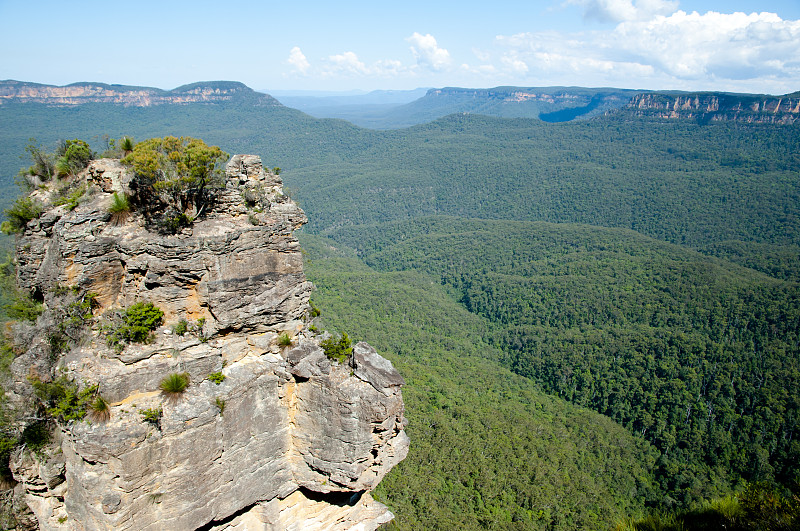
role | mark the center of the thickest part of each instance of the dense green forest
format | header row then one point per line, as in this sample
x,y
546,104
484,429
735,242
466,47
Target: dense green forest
x,y
489,449
696,355
594,318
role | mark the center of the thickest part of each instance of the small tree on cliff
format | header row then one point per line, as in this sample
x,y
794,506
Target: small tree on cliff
x,y
175,177
73,156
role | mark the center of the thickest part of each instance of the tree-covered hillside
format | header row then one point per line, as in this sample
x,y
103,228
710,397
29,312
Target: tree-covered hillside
x,y
696,355
489,450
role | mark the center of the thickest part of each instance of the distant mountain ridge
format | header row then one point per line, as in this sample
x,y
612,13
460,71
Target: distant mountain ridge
x,y
87,92
549,104
545,100
717,106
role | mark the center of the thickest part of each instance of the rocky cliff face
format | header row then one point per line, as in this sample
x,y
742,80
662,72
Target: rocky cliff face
x,y
718,107
80,93
288,440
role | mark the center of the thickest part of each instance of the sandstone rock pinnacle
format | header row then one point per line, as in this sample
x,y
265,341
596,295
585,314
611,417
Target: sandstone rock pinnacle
x,y
284,438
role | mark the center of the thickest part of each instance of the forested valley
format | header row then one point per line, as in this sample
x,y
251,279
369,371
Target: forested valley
x,y
595,319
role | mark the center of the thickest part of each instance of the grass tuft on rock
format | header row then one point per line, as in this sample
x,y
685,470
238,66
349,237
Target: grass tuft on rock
x,y
174,385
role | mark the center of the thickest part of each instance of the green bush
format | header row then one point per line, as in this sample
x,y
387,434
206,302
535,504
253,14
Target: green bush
x,y
42,161
36,435
174,384
71,319
152,416
18,305
174,224
74,156
284,340
21,212
126,144
176,173
70,197
61,398
7,445
220,404
138,321
22,307
180,328
216,377
119,204
120,208
99,409
337,349
759,506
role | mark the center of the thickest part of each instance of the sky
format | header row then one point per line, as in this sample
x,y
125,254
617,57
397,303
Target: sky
x,y
725,45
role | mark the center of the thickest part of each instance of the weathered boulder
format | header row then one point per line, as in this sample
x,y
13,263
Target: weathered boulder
x,y
279,443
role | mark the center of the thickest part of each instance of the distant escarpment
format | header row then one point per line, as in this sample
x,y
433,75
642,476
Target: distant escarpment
x,y
717,107
81,93
551,104
175,379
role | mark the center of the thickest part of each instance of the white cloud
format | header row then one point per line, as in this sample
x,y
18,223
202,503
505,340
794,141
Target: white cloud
x,y
488,71
711,49
389,68
482,56
620,10
428,53
513,63
298,61
729,46
347,63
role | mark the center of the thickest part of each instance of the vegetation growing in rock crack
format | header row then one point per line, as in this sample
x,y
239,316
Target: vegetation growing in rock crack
x,y
70,196
61,398
216,377
134,325
337,349
181,327
284,340
20,306
120,208
99,409
220,403
174,385
71,318
152,416
20,213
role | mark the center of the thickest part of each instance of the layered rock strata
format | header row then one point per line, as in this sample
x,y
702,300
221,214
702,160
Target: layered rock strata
x,y
82,93
287,440
718,107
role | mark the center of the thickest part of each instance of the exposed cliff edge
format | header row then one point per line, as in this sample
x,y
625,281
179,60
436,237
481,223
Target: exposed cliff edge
x,y
283,438
81,93
717,107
